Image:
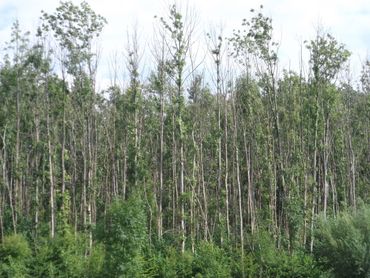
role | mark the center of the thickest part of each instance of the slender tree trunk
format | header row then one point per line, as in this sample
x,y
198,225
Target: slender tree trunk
x,y
205,202
182,191
226,181
51,177
325,167
17,196
352,172
90,172
251,205
8,185
314,189
74,177
174,175
2,201
305,211
161,150
136,145
238,182
63,153
2,197
37,165
84,188
280,178
124,186
219,139
192,203
89,213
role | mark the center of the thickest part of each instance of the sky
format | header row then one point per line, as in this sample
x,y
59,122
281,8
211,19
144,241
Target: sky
x,y
293,20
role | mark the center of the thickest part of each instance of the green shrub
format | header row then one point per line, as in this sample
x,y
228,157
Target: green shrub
x,y
175,264
249,267
63,256
66,256
125,236
275,262
14,256
210,261
343,243
94,263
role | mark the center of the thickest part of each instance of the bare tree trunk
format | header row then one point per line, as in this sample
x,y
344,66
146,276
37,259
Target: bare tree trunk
x,y
136,144
325,167
314,189
226,182
217,60
161,150
251,205
63,153
7,184
124,186
37,201
352,172
174,175
2,197
305,211
182,191
2,201
91,172
192,202
51,177
205,202
74,177
89,213
17,196
84,187
237,165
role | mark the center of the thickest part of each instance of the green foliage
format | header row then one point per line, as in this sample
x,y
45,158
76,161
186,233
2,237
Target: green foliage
x,y
210,261
176,28
343,243
125,237
94,263
176,264
67,255
327,56
15,254
254,38
63,256
271,261
74,27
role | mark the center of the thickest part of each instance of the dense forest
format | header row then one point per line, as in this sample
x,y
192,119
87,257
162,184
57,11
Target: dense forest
x,y
232,167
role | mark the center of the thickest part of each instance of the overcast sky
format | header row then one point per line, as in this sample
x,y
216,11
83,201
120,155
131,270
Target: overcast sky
x,y
294,21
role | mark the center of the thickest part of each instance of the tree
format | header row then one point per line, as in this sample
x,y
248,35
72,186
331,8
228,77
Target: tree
x,y
179,33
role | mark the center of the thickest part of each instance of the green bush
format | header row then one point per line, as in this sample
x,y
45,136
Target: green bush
x,y
275,262
94,263
14,256
176,264
210,261
63,256
66,256
207,261
125,236
249,266
343,243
